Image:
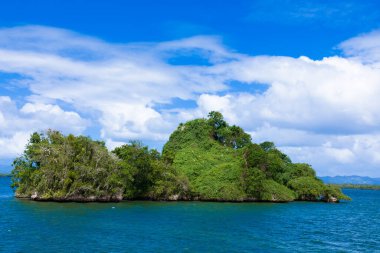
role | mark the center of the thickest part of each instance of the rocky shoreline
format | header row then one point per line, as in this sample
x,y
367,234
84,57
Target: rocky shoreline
x,y
119,198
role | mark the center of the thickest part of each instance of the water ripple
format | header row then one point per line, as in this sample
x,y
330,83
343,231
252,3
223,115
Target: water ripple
x,y
27,226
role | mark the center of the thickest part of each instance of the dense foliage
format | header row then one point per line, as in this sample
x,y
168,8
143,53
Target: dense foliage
x,y
58,167
221,163
204,159
147,175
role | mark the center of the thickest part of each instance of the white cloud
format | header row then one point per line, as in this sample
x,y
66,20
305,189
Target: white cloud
x,y
13,145
123,86
16,124
324,112
113,144
365,48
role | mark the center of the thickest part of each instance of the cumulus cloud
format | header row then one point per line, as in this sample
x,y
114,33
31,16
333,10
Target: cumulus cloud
x,y
123,83
16,124
324,112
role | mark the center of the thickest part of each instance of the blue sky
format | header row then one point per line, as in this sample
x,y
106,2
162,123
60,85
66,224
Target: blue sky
x,y
291,28
304,74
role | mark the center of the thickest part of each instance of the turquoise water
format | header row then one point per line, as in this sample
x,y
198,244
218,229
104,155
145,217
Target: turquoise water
x,y
27,226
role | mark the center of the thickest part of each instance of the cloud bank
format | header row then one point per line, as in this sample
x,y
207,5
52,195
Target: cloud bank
x,y
324,112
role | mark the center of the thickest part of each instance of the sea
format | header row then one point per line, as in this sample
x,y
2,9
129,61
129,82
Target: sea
x,y
145,226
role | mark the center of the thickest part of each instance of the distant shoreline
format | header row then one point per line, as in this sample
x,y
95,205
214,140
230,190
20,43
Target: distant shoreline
x,y
358,186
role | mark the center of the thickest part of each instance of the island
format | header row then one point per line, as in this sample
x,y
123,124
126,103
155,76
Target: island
x,y
205,159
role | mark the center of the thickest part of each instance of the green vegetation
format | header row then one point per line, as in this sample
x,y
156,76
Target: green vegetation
x,y
60,167
357,186
146,174
204,159
4,175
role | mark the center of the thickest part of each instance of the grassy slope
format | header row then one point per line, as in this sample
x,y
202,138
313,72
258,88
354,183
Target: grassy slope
x,y
213,173
213,170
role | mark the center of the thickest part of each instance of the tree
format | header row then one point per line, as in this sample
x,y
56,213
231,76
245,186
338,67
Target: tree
x,y
231,136
136,159
150,175
216,120
234,137
60,167
307,188
255,156
267,146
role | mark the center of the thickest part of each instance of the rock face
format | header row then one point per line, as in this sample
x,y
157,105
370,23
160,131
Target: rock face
x,y
34,196
174,197
332,200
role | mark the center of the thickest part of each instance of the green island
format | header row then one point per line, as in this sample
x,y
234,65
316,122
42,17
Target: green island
x,y
205,159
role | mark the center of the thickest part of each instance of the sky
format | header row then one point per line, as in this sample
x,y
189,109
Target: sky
x,y
303,74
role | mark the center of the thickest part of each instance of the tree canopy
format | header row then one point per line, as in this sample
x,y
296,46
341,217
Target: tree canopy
x,y
61,167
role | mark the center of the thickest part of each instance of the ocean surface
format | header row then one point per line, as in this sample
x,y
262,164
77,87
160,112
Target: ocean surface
x,y
27,226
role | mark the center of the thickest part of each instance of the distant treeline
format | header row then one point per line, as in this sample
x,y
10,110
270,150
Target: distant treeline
x,y
358,186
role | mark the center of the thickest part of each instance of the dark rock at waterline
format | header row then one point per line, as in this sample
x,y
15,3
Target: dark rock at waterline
x,y
74,198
